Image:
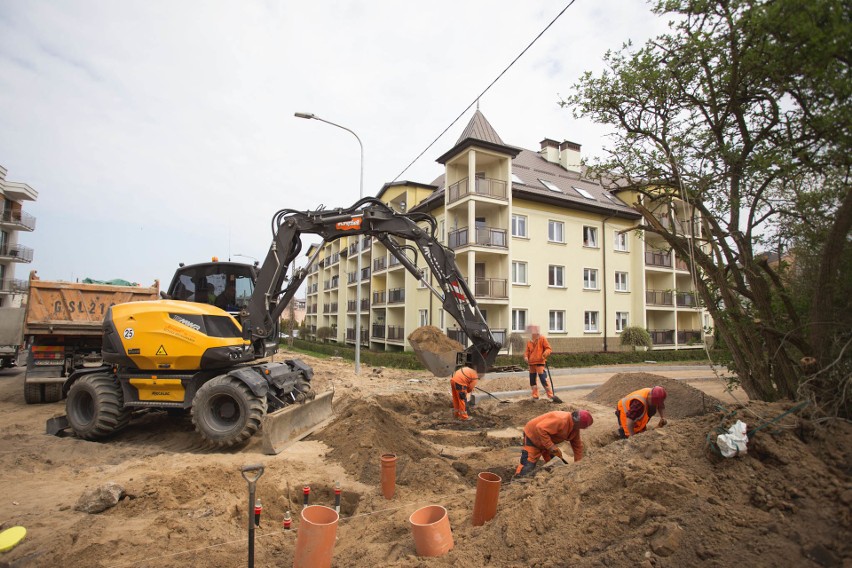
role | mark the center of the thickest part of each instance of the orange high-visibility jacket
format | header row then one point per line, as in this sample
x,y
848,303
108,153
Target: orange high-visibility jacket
x,y
549,429
466,377
643,396
537,351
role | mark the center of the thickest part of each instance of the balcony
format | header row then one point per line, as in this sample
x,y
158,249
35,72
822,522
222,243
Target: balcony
x,y
16,253
351,305
380,264
353,249
13,286
659,298
493,288
689,337
484,237
394,261
367,243
681,264
312,289
396,333
17,220
662,336
378,331
365,337
461,337
379,298
311,309
351,278
396,295
663,259
486,187
686,300
365,304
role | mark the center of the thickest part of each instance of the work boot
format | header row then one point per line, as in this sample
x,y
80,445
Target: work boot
x,y
549,393
464,417
534,393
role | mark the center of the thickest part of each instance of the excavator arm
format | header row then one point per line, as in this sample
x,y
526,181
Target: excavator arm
x,y
278,278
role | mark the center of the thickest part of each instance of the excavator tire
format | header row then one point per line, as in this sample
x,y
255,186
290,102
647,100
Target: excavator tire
x,y
225,411
95,407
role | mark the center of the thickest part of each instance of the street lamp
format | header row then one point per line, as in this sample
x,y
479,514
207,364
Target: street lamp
x,y
256,262
311,116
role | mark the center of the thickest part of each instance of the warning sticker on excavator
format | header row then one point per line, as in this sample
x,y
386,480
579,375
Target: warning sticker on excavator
x,y
162,350
351,224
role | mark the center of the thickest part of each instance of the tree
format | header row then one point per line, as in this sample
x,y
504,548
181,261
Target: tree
x,y
636,336
742,111
324,333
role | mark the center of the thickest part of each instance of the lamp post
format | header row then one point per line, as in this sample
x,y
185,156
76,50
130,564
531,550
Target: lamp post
x,y
311,116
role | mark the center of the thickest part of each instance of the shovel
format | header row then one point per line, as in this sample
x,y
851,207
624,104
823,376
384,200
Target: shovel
x,y
256,470
501,400
555,399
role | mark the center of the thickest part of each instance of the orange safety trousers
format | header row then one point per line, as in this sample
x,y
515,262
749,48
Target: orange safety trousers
x,y
459,404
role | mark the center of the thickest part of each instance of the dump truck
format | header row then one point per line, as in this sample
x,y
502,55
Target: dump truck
x,y
204,346
63,326
11,335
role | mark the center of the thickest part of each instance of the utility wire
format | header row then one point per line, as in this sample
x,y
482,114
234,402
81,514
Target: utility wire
x,y
474,101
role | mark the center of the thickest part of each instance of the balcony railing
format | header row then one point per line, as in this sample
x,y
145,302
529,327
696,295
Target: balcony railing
x,y
662,336
689,336
379,264
17,253
366,243
311,309
461,337
686,300
378,331
353,248
658,259
365,273
365,337
396,333
13,286
365,304
351,305
659,298
394,261
491,288
19,219
484,236
379,298
351,278
396,295
484,186
681,264
312,289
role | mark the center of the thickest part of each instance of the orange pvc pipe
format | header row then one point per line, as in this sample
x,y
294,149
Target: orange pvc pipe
x,y
430,527
487,494
317,534
388,475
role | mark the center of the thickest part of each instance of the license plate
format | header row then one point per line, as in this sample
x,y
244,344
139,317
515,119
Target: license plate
x,y
43,363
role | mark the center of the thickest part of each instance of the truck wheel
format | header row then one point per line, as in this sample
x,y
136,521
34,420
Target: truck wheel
x,y
52,392
225,411
33,393
95,407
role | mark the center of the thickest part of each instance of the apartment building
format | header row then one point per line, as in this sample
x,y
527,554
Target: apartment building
x,y
14,221
538,244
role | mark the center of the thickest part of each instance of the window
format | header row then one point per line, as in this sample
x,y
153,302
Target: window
x,y
584,193
590,324
556,276
424,317
590,278
421,284
590,237
621,282
519,320
557,321
550,185
443,227
519,272
519,226
622,320
621,241
556,231
516,179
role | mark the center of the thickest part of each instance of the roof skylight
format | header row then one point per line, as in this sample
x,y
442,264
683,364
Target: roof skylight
x,y
550,185
584,193
516,179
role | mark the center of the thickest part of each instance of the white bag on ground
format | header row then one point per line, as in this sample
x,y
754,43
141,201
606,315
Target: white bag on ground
x,y
735,442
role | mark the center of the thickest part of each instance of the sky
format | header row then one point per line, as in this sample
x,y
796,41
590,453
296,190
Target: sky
x,y
159,132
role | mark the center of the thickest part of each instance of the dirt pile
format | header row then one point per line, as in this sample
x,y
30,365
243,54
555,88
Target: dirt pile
x,y
682,400
430,338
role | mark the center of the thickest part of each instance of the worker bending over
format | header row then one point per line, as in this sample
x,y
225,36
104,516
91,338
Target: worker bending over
x,y
536,354
636,409
542,433
463,382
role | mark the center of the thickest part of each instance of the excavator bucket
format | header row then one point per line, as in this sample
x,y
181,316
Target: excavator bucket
x,y
292,423
435,351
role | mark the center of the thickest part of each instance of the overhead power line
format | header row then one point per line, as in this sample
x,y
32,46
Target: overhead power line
x,y
479,96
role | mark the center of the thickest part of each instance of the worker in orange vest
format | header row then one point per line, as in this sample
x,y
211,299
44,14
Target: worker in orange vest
x,y
463,382
542,433
536,354
635,410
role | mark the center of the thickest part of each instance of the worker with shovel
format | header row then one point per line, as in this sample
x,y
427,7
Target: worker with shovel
x,y
536,354
542,433
463,382
635,410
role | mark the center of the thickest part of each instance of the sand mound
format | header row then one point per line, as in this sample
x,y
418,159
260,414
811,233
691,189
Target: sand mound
x,y
682,401
430,338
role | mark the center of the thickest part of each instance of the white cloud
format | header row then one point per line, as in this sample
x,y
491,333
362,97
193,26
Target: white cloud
x,y
160,132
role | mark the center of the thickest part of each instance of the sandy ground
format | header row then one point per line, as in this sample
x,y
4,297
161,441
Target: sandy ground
x,y
657,500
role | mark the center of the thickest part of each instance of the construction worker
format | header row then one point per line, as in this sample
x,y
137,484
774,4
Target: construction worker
x,y
536,354
463,382
542,433
635,410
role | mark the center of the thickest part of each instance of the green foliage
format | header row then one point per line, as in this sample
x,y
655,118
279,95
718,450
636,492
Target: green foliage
x,y
324,333
636,336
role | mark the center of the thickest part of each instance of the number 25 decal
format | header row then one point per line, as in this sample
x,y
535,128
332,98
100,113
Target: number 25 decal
x,y
128,333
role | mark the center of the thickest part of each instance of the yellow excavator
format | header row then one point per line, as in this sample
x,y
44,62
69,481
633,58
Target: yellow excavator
x,y
204,346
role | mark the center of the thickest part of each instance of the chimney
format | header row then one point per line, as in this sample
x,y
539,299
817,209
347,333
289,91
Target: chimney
x,y
569,156
550,150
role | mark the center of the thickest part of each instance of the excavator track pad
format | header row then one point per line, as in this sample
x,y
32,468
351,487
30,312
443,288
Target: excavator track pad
x,y
292,423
